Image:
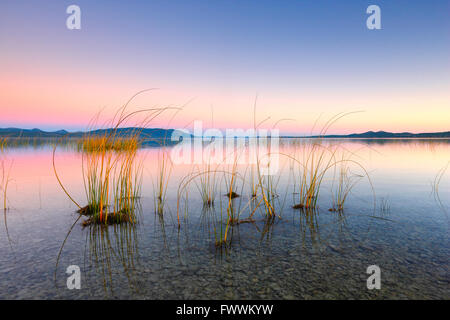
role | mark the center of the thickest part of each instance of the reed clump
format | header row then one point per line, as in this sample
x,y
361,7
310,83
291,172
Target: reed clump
x,y
112,179
346,180
207,185
230,180
319,157
99,143
3,143
111,169
317,160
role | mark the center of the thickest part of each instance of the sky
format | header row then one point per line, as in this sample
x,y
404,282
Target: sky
x,y
300,61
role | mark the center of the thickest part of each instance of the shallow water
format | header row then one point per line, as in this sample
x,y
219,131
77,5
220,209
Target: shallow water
x,y
301,255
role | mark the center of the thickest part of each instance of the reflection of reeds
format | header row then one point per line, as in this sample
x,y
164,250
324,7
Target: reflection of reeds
x,y
36,142
385,206
111,249
3,143
4,182
227,216
436,184
265,187
162,181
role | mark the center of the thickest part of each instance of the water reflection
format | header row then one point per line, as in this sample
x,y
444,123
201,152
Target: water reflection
x,y
154,259
111,253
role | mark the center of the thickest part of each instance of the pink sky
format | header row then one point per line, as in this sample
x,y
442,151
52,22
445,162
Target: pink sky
x,y
302,61
68,99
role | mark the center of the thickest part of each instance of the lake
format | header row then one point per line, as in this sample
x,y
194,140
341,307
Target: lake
x,y
392,218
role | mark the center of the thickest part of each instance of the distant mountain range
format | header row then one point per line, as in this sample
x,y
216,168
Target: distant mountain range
x,y
389,135
154,133
158,133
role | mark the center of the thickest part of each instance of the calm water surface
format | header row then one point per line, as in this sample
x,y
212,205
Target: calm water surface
x,y
302,255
